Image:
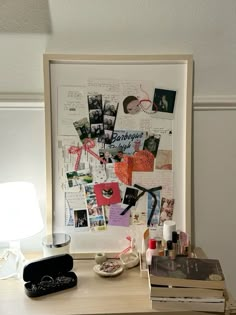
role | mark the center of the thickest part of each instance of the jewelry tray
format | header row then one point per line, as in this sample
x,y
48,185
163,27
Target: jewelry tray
x,y
49,275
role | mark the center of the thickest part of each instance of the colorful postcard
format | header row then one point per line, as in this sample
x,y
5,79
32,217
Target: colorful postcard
x,y
128,141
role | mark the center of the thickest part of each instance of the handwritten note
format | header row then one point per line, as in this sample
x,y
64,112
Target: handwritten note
x,y
115,218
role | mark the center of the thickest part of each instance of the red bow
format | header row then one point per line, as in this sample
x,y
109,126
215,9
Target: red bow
x,y
87,145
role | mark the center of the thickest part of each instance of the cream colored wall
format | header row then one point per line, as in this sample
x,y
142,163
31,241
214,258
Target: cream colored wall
x,y
204,28
214,174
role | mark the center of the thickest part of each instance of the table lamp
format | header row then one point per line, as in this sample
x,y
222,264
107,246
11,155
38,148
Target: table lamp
x,y
20,217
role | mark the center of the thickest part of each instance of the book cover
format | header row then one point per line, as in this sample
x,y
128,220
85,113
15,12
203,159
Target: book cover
x,y
187,272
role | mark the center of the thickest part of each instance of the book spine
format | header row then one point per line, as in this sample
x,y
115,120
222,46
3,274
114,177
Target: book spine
x,y
188,306
187,283
185,292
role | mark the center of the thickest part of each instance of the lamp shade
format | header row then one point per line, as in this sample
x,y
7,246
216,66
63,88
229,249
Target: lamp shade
x,y
20,215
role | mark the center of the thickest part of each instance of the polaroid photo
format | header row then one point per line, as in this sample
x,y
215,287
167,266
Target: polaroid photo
x,y
164,103
81,220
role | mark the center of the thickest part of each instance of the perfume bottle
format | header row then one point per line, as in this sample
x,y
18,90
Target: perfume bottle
x,y
151,251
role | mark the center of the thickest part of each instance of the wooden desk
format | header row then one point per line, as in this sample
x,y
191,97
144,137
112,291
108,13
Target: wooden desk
x,y
126,293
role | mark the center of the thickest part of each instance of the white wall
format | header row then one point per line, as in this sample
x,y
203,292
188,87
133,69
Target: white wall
x,y
22,144
214,174
204,28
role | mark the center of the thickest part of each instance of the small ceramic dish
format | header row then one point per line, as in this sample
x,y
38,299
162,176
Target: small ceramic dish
x,y
129,260
108,269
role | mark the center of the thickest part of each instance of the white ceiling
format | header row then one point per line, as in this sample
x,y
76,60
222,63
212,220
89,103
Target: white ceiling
x,y
204,28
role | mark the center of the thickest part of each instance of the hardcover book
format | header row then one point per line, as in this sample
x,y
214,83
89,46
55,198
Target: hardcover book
x,y
186,272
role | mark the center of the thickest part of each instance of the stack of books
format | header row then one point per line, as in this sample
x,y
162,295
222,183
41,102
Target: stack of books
x,y
186,284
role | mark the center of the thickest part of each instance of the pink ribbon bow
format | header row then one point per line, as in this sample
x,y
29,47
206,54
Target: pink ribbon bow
x,y
127,249
87,145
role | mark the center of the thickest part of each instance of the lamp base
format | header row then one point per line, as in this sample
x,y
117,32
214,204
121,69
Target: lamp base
x,y
11,263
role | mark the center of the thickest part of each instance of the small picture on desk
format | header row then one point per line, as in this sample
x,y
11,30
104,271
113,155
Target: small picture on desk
x,y
81,219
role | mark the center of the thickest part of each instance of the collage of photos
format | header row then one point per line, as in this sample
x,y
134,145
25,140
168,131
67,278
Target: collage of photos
x,y
110,113
96,115
124,141
102,118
